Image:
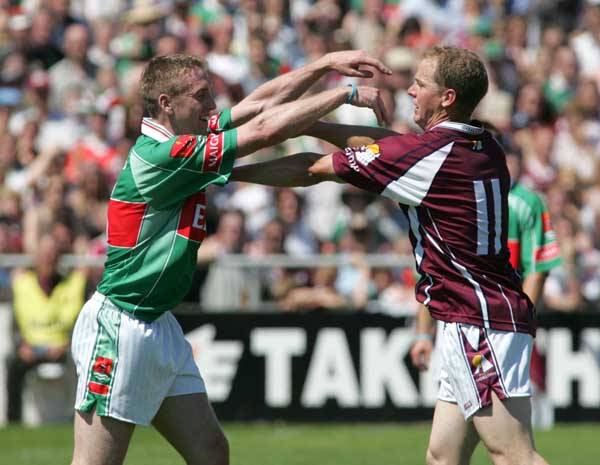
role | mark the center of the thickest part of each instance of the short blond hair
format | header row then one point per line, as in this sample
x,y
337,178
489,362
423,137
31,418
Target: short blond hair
x,y
461,70
163,75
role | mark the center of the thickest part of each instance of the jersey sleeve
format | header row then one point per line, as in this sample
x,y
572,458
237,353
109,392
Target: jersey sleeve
x,y
220,122
168,172
401,168
539,249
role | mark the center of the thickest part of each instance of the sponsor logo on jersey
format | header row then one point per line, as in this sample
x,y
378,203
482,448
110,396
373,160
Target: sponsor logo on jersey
x,y
547,252
213,122
349,151
213,153
183,147
192,222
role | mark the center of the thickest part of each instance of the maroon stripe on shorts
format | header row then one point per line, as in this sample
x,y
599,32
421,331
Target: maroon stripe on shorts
x,y
484,370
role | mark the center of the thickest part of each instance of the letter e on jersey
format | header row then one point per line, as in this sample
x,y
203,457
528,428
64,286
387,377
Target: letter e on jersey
x,y
213,153
192,222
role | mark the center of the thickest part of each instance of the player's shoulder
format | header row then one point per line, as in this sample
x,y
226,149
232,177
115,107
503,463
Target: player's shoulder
x,y
530,196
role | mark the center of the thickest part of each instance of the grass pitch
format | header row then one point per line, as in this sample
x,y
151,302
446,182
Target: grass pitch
x,y
297,444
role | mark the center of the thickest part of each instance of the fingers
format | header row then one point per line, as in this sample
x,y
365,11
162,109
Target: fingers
x,y
367,60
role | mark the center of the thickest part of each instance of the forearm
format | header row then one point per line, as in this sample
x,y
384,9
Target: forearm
x,y
424,323
288,120
291,85
533,285
344,135
285,88
290,171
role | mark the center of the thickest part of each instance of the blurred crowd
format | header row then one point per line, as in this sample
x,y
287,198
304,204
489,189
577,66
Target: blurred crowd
x,y
69,112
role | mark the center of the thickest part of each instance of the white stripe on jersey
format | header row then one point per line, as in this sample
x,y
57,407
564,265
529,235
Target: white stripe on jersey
x,y
464,272
497,214
413,220
412,187
512,317
483,233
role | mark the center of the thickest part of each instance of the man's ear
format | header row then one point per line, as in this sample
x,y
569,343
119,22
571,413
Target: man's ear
x,y
448,98
164,102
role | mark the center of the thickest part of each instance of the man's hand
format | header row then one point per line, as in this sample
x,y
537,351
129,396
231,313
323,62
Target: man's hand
x,y
370,97
420,353
348,63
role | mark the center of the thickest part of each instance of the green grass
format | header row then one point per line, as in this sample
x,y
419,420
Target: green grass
x,y
295,444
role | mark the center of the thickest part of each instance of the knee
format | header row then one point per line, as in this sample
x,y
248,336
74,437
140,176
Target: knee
x,y
432,457
213,452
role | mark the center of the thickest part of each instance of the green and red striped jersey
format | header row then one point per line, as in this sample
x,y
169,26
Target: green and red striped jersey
x,y
531,238
157,215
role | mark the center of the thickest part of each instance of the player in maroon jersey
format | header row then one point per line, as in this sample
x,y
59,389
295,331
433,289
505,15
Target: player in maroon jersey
x,y
452,182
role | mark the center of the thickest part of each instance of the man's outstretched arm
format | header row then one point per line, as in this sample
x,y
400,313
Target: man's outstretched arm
x,y
279,123
290,86
289,171
345,135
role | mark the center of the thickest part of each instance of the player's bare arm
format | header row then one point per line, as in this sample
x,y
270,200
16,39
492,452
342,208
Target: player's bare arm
x,y
346,135
420,352
290,119
290,86
533,284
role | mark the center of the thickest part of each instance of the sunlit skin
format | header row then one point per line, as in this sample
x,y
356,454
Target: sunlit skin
x,y
188,113
431,102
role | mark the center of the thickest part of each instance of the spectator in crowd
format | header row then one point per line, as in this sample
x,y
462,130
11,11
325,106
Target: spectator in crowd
x,y
545,65
45,305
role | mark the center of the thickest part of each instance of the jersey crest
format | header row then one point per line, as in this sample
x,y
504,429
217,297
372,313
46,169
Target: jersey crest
x,y
183,147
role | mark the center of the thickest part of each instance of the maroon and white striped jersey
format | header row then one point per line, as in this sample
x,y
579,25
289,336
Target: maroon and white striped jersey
x,y
452,182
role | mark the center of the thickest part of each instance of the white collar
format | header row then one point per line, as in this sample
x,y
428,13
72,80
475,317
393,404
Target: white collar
x,y
475,130
155,130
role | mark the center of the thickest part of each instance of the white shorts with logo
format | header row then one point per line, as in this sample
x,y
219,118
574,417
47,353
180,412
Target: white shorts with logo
x,y
478,361
126,367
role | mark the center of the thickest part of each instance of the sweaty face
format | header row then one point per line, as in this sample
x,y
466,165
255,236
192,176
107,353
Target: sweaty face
x,y
426,94
192,108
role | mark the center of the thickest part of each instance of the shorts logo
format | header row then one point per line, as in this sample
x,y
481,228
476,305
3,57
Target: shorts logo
x,y
103,366
100,379
480,363
183,147
213,153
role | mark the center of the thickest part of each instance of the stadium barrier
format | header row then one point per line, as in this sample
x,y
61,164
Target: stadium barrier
x,y
342,365
351,366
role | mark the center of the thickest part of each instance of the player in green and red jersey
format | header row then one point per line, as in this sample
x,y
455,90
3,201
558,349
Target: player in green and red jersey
x,y
533,253
134,365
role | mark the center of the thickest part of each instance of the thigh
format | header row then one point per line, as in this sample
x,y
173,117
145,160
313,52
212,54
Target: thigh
x,y
505,429
452,439
189,423
100,440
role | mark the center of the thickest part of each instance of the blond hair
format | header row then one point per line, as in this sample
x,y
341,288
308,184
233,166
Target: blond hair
x,y
461,70
163,75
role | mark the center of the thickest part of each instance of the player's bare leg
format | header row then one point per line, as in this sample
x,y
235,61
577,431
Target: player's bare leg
x,y
190,425
505,429
100,440
452,440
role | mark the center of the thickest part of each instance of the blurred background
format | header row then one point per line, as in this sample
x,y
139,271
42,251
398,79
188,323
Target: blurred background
x,y
325,256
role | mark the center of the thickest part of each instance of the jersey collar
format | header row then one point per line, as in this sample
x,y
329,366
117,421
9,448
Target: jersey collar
x,y
155,130
474,130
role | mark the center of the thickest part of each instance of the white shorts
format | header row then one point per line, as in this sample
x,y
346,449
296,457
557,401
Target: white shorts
x,y
478,361
126,367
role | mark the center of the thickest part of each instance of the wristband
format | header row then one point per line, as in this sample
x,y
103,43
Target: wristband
x,y
352,94
423,337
